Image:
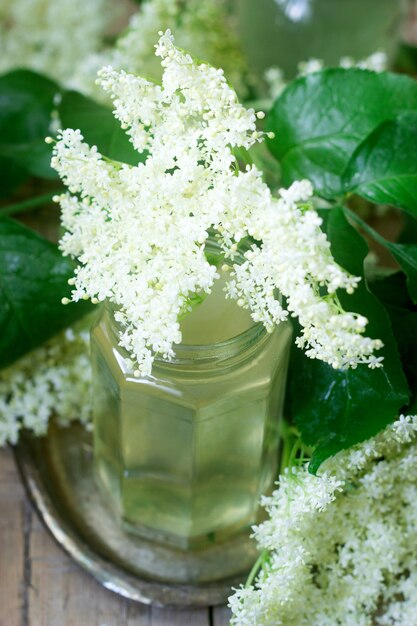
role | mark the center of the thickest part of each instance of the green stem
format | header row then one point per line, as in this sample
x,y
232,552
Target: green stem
x,y
286,450
242,154
28,205
193,301
260,561
291,443
368,229
295,450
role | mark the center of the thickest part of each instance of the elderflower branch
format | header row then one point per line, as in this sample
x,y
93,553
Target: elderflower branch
x,y
56,374
259,564
341,546
139,232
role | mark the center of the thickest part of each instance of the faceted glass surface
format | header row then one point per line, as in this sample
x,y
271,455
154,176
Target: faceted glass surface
x,y
186,453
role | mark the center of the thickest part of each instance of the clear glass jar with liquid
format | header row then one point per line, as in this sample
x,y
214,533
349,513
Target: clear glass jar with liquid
x,y
186,453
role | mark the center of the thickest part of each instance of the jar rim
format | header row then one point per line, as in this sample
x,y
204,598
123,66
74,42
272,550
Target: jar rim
x,y
218,352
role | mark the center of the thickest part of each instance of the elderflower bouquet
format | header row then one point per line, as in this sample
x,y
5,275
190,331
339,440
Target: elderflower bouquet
x,y
140,231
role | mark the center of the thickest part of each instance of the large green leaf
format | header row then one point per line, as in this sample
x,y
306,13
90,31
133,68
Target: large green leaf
x,y
392,292
26,102
98,126
335,409
404,253
320,119
383,169
33,279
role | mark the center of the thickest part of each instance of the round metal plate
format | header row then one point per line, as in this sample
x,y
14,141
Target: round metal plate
x,y
58,473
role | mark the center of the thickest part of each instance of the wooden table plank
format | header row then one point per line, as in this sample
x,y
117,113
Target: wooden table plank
x,y
13,511
221,616
61,593
179,617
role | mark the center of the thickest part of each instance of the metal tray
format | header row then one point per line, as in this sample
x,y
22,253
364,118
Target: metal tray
x,y
58,474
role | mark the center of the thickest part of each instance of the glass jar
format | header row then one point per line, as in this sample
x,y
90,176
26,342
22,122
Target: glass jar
x,y
185,454
298,30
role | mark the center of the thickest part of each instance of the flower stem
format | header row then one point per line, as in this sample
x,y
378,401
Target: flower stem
x,y
193,301
291,440
28,205
259,563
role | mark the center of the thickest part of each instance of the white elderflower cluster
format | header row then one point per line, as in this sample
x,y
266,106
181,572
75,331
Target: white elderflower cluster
x,y
342,547
55,376
204,28
52,36
275,79
139,232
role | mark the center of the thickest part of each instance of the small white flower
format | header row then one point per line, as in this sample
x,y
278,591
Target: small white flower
x,y
310,66
405,428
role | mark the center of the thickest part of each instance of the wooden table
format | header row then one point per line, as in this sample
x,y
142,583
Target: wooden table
x,y
41,586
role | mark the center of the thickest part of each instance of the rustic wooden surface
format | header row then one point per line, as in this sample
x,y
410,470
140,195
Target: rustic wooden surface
x,y
41,586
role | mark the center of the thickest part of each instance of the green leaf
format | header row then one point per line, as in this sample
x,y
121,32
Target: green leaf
x,y
383,169
320,120
404,253
35,157
404,324
28,205
409,231
406,59
33,279
392,292
335,409
98,126
26,103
